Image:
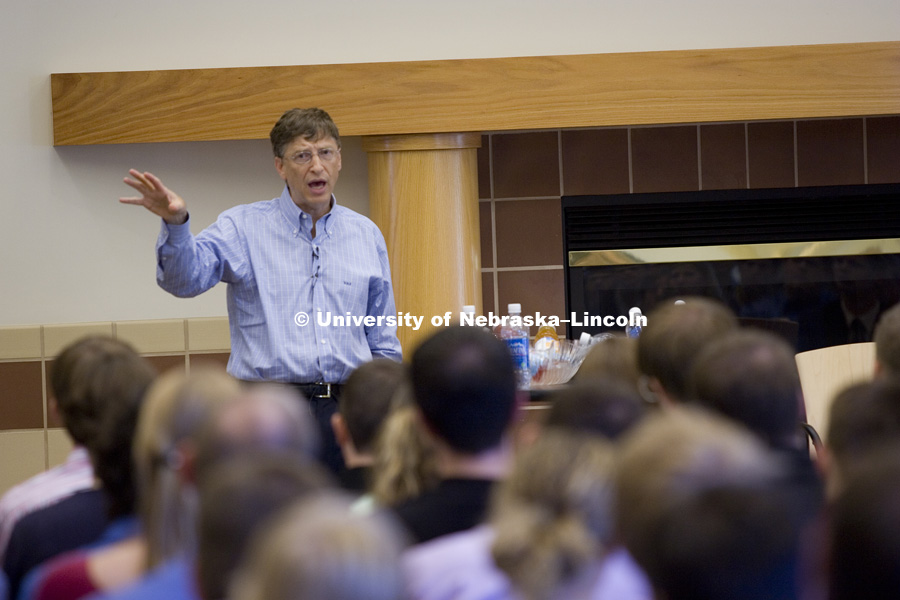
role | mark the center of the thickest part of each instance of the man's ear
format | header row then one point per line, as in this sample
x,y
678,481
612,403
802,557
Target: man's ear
x,y
279,166
340,429
879,369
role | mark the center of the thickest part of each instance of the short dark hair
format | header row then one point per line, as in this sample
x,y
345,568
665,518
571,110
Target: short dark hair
x,y
675,334
464,383
366,399
751,376
90,374
236,499
887,340
602,407
100,385
309,123
863,417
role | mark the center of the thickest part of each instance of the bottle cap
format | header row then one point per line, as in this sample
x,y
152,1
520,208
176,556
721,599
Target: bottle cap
x,y
514,308
634,311
469,309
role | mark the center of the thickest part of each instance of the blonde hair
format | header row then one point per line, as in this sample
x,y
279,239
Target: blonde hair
x,y
553,515
319,550
175,409
405,463
673,456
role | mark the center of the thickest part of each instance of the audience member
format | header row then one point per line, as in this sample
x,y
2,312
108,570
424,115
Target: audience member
x,y
550,525
111,379
364,405
675,334
751,376
464,386
887,343
236,499
614,357
79,413
405,464
175,407
864,417
264,418
674,456
607,408
320,550
865,530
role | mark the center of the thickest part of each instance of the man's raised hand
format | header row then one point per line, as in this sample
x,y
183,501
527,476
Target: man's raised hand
x,y
156,197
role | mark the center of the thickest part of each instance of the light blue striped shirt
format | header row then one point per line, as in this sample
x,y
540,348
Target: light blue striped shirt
x,y
276,270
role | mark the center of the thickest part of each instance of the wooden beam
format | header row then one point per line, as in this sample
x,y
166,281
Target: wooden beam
x,y
496,94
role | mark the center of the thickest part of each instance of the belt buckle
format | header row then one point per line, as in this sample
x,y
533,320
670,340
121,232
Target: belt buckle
x,y
327,393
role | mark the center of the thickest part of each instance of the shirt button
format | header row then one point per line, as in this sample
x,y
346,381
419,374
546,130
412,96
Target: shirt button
x,y
323,341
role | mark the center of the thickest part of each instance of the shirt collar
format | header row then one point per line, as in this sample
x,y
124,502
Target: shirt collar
x,y
295,216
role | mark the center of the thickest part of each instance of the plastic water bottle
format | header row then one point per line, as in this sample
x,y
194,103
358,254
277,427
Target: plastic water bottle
x,y
516,337
634,316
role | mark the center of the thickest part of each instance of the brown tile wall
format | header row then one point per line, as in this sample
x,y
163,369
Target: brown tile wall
x,y
27,354
523,175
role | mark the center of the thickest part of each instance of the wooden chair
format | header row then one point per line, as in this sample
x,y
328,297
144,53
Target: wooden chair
x,y
827,371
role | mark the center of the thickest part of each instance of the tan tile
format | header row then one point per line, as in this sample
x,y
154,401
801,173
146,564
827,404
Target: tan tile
x,y
771,154
59,444
595,161
664,159
17,343
723,157
529,233
830,152
57,337
883,140
207,334
164,335
21,456
525,164
22,391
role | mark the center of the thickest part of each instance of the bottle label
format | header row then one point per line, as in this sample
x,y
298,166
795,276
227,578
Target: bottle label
x,y
519,349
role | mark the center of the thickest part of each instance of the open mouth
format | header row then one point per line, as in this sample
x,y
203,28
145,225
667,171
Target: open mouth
x,y
318,185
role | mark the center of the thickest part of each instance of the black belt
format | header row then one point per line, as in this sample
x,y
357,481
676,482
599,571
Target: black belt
x,y
319,390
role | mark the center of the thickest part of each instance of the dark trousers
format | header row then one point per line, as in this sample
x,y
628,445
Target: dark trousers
x,y
323,403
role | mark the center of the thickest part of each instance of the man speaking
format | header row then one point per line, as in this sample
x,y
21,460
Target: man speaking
x,y
286,260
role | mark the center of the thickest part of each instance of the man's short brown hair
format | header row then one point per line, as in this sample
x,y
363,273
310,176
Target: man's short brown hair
x,y
309,123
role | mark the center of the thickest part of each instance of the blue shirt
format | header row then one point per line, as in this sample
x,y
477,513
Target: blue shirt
x,y
172,580
280,279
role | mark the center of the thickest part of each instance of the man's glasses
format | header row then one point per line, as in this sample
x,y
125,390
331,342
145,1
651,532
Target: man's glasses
x,y
326,155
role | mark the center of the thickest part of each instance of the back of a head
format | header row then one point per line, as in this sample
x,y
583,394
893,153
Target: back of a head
x,y
675,335
319,550
674,455
736,541
887,341
464,385
176,409
236,499
88,375
264,418
865,531
751,376
365,401
100,385
602,407
615,357
863,417
553,515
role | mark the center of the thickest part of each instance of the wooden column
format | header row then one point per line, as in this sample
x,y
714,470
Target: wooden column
x,y
423,194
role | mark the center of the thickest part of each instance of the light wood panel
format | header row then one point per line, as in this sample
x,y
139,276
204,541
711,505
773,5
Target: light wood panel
x,y
483,94
827,371
423,194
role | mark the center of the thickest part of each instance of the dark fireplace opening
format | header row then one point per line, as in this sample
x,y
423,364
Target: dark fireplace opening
x,y
817,265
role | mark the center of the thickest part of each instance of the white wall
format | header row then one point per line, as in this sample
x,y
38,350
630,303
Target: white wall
x,y
70,253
